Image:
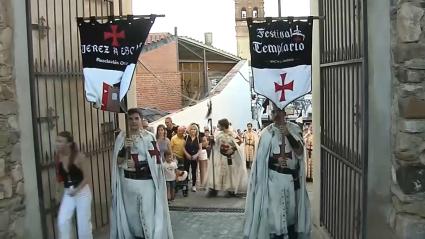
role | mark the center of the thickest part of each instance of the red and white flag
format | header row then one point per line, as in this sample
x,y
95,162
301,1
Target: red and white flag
x,y
281,59
109,53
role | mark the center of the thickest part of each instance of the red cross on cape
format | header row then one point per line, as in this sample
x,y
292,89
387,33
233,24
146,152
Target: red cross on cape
x,y
155,152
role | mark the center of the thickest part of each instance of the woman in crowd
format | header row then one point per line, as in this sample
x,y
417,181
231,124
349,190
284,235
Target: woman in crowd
x,y
164,143
73,170
192,150
204,156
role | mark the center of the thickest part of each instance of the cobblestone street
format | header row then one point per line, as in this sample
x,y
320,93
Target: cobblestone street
x,y
201,217
198,216
206,225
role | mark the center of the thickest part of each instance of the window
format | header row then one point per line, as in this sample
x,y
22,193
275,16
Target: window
x,y
255,13
243,13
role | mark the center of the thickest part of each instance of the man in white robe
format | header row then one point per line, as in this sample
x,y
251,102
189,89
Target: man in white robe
x,y
250,141
277,203
139,195
226,169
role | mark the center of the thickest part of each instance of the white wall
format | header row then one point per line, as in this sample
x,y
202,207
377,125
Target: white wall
x,y
233,103
380,109
316,112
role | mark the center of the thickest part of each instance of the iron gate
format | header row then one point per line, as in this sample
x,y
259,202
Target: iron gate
x,y
343,75
58,103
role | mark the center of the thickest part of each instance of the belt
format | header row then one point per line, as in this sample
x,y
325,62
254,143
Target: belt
x,y
138,175
68,184
283,170
288,155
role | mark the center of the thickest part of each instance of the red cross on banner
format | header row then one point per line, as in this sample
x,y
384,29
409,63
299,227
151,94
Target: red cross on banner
x,y
155,152
115,35
283,87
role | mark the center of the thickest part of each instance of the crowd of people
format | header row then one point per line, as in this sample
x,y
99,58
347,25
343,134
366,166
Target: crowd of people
x,y
150,165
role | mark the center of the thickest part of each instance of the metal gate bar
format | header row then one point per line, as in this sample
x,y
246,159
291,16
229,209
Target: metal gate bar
x,y
58,103
343,119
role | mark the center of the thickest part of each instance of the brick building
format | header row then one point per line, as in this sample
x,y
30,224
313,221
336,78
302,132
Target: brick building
x,y
172,71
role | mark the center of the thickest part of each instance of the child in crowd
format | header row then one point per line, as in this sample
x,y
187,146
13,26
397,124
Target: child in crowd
x,y
170,166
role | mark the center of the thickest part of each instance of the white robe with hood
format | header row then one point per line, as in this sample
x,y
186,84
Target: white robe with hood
x,y
161,220
257,204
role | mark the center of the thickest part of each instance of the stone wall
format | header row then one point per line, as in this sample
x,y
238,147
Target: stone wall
x,y
12,207
408,123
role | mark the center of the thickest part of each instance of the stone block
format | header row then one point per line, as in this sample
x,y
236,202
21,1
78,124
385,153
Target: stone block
x,y
406,90
6,187
407,147
408,22
412,126
3,16
11,204
12,122
409,226
412,72
5,70
6,46
8,107
20,190
16,153
2,167
411,178
413,76
4,139
16,173
415,64
6,93
404,52
14,136
18,227
422,153
6,36
415,208
412,108
4,221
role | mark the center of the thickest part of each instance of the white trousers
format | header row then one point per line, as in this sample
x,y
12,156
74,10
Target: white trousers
x,y
81,202
139,203
282,204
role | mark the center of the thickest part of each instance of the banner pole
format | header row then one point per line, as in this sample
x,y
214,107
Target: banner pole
x,y
121,17
279,8
212,153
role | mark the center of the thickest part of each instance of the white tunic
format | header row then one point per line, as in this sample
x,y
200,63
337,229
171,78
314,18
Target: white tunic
x,y
221,175
139,207
272,204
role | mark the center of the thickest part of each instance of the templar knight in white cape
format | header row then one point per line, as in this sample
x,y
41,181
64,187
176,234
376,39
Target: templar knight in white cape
x,y
139,198
277,203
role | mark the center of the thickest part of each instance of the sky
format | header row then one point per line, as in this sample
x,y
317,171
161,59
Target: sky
x,y
195,17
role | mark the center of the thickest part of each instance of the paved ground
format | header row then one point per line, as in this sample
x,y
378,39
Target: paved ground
x,y
200,217
207,225
200,200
